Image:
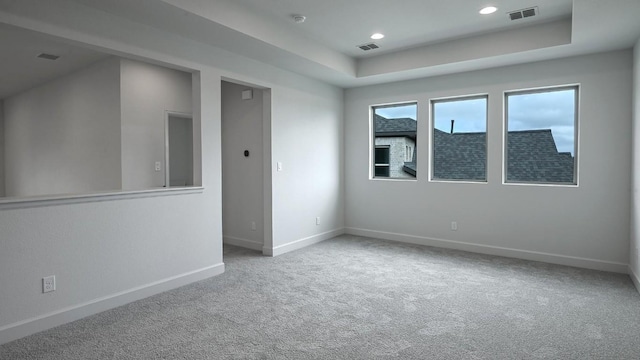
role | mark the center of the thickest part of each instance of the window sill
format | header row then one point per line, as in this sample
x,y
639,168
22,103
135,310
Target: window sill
x,y
391,179
557,185
443,181
63,199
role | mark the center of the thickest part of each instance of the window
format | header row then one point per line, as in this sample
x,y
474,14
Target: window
x,y
541,135
460,139
408,154
382,161
394,134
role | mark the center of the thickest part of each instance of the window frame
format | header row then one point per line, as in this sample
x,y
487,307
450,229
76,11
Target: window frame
x,y
376,164
576,133
432,120
372,139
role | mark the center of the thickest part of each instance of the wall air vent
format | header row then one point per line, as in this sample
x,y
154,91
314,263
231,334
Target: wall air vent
x,y
523,13
48,56
367,47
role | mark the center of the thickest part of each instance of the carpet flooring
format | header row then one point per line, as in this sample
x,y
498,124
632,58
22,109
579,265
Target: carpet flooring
x,y
359,298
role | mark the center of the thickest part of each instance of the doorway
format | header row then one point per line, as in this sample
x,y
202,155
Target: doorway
x,y
246,164
178,149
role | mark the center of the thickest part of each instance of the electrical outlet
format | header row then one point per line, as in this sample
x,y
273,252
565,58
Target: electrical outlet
x,y
49,284
318,220
253,226
158,165
454,226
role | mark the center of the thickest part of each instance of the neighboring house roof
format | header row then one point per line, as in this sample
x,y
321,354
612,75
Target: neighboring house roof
x,y
532,157
395,127
532,154
459,156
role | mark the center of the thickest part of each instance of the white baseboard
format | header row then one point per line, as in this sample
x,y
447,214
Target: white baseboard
x,y
245,243
301,243
40,323
634,278
495,250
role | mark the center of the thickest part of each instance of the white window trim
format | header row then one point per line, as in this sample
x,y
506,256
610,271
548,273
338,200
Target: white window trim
x,y
372,137
433,101
576,130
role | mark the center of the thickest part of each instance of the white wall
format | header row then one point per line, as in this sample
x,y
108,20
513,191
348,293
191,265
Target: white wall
x,y
1,149
147,91
307,138
242,179
586,225
634,263
137,246
64,136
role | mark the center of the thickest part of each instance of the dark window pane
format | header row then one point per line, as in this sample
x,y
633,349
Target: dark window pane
x,y
382,171
382,155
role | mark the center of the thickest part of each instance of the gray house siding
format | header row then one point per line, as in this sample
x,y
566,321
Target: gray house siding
x,y
398,147
400,136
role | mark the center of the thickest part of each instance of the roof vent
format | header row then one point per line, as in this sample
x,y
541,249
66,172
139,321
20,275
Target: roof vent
x,y
523,13
367,47
48,56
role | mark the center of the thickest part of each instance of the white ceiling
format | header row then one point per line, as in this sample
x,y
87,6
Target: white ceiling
x,y
344,24
423,37
22,70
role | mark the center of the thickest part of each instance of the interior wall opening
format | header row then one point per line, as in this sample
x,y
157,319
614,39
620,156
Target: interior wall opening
x,y
246,179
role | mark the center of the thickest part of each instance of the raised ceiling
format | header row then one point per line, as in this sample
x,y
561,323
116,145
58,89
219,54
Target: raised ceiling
x,y
423,37
344,24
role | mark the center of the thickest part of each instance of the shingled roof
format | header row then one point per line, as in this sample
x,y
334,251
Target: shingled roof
x,y
532,154
459,156
395,127
532,157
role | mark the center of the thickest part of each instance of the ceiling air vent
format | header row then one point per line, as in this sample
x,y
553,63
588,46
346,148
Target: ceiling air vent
x,y
523,13
367,47
48,56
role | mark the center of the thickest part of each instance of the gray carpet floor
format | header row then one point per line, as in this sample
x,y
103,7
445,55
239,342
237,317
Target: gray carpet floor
x,y
359,298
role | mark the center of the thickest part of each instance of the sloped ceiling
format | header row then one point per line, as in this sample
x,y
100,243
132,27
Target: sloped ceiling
x,y
21,68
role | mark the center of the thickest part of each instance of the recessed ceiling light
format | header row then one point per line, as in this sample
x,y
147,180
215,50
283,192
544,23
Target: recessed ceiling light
x,y
488,10
377,36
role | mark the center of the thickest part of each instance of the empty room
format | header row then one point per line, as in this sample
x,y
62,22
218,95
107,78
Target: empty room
x,y
297,179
